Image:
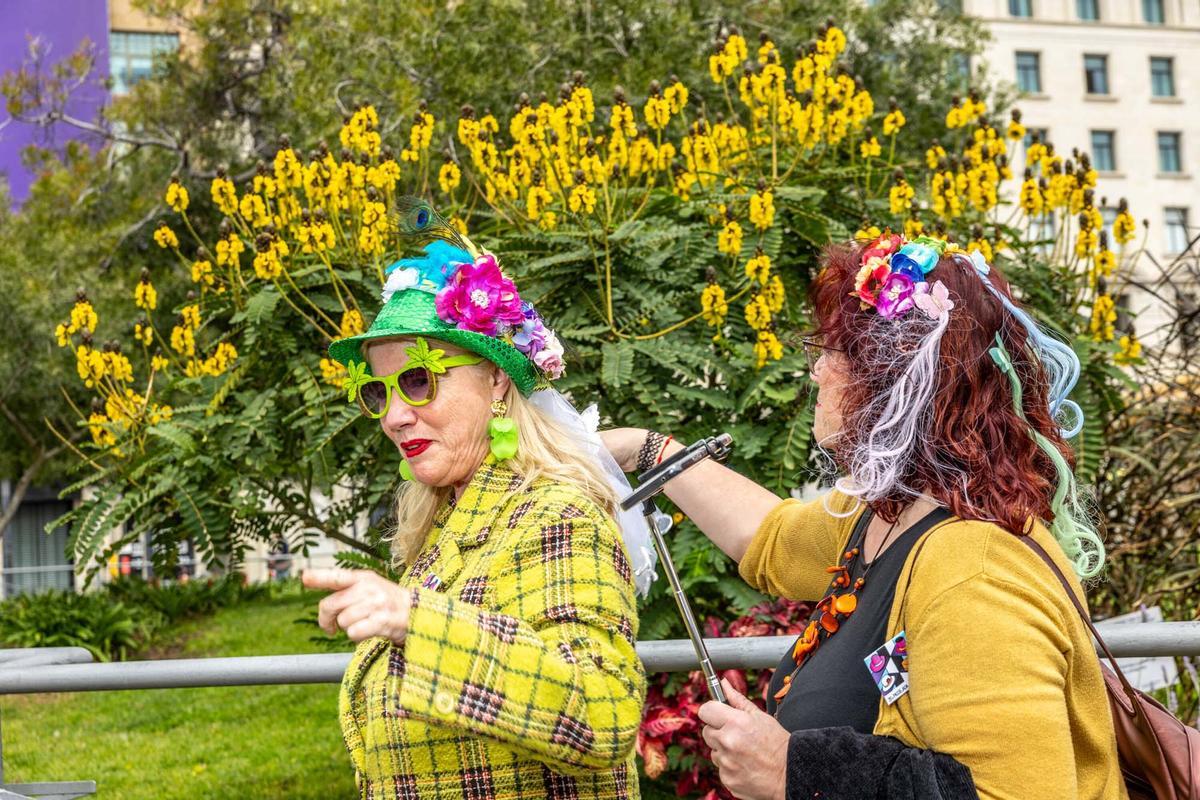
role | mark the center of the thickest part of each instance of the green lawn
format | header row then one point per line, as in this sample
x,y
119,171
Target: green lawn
x,y
250,741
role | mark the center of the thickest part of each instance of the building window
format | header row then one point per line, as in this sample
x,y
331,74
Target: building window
x,y
1162,77
131,56
1020,8
1088,10
962,69
1152,11
1029,72
1109,215
1177,229
1168,152
951,6
1095,71
1104,155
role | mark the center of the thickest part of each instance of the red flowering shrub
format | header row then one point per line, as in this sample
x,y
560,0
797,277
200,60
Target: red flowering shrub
x,y
669,741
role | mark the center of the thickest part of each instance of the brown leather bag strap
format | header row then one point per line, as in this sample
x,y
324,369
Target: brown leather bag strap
x,y
1083,614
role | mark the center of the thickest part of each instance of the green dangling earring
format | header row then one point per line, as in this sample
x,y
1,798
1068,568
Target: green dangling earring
x,y
503,432
405,469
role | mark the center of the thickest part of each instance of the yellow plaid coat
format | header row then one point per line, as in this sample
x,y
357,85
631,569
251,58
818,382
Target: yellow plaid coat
x,y
518,677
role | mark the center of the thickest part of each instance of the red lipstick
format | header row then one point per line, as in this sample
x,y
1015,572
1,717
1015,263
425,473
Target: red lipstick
x,y
414,447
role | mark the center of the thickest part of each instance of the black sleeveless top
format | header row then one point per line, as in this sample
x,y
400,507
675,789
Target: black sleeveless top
x,y
834,687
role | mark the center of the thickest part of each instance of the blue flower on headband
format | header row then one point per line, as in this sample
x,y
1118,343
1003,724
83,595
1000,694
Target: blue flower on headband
x,y
440,261
915,260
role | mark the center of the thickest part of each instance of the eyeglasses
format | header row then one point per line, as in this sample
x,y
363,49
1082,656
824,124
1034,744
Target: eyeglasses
x,y
813,348
416,386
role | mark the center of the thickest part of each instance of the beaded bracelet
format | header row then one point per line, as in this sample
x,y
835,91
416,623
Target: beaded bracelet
x,y
651,449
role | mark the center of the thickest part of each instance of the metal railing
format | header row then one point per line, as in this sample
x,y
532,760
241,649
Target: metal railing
x,y
70,669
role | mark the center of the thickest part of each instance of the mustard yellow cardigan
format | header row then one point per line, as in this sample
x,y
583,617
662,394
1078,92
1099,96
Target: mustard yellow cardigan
x,y
1002,671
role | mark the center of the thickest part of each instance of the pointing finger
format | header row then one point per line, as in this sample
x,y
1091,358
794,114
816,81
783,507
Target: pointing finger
x,y
333,579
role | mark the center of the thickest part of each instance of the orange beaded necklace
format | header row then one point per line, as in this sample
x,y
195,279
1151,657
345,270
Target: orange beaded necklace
x,y
829,614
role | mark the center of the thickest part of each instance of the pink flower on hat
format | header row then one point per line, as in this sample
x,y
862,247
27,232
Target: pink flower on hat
x,y
550,358
479,298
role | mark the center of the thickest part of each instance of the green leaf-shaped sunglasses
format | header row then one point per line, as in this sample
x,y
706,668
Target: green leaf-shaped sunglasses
x,y
416,383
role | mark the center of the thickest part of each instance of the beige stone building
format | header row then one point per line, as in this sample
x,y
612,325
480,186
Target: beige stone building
x,y
1119,79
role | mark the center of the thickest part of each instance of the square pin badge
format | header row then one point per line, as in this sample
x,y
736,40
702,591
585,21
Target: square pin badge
x,y
889,668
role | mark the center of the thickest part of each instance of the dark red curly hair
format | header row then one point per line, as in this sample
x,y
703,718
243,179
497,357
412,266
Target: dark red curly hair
x,y
975,455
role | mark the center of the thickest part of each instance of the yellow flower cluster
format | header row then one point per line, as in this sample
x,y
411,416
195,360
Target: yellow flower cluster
x,y
83,318
177,196
229,250
767,346
758,268
164,237
144,294
1104,316
729,240
900,197
217,364
224,195
359,134
1103,265
315,234
762,209
333,373
123,411
1124,227
965,113
270,252
183,341
730,55
713,305
352,323
1130,349
95,365
893,122
202,273
449,177
420,135
143,333
190,315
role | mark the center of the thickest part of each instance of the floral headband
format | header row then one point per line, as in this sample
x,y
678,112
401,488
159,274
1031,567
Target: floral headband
x,y
893,277
472,294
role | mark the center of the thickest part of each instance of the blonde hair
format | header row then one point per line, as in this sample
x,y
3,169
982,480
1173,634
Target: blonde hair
x,y
546,451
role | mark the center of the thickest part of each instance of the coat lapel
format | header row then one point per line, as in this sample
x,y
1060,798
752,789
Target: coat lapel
x,y
466,526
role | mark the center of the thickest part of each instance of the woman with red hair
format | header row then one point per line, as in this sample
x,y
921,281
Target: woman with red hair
x,y
942,643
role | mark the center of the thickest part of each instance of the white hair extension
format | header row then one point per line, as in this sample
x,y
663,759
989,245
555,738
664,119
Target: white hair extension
x,y
877,465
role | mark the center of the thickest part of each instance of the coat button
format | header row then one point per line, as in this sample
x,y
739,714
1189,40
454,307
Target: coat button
x,y
444,703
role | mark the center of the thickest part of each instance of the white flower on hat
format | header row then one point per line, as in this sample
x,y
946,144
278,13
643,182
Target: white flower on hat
x,y
399,280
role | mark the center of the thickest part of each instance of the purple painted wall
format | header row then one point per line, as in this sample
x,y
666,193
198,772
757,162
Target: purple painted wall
x,y
62,25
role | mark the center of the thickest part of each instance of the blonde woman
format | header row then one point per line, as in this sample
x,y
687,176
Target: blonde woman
x,y
503,663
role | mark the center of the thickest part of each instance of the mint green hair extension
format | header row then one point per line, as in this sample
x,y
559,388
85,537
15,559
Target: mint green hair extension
x,y
1071,527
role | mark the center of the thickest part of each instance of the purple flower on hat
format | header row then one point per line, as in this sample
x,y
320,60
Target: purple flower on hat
x,y
530,337
895,296
478,297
